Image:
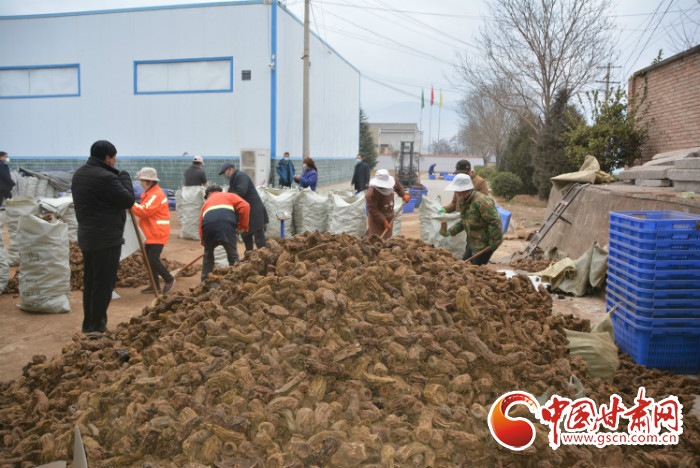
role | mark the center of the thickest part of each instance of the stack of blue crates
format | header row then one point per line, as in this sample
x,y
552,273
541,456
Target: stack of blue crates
x,y
654,283
417,192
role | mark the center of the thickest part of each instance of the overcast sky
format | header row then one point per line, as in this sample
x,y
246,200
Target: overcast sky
x,y
404,46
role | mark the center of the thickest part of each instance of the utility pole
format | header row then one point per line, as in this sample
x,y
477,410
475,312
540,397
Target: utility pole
x,y
607,79
305,151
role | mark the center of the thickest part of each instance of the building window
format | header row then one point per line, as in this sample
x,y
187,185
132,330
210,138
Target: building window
x,y
210,75
40,81
245,75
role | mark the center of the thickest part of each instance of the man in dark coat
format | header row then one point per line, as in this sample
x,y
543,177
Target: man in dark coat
x,y
241,184
360,179
6,184
285,171
194,175
101,196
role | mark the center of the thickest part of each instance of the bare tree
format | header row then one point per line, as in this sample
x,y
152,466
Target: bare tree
x,y
530,49
485,124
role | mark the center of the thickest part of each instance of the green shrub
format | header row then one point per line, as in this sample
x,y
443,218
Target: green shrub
x,y
485,172
506,185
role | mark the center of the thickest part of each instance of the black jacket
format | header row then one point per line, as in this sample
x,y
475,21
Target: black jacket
x,y
361,176
101,196
243,186
6,182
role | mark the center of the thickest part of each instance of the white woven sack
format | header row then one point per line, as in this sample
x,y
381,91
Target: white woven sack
x,y
28,187
220,257
430,222
348,214
311,212
43,189
62,206
398,212
278,200
44,267
4,269
15,209
189,202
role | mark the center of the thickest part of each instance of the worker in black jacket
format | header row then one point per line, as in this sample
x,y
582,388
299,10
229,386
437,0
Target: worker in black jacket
x,y
101,196
241,184
6,184
360,178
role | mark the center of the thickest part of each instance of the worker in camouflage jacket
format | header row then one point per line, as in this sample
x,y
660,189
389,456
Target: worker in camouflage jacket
x,y
480,219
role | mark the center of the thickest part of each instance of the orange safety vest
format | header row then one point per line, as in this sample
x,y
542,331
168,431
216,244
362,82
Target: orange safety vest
x,y
228,201
154,215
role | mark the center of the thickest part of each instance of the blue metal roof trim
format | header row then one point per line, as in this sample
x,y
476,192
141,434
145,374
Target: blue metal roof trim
x,y
127,10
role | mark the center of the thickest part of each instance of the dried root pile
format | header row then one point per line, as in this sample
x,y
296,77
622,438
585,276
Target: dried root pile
x,y
132,270
321,350
530,265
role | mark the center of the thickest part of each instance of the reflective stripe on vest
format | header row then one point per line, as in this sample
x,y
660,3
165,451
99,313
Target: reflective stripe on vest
x,y
165,221
217,207
148,203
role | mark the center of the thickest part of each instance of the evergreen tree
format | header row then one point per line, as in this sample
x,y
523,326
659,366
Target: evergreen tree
x,y
368,148
550,158
617,134
517,156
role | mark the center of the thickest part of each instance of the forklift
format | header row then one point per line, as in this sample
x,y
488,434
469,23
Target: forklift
x,y
407,166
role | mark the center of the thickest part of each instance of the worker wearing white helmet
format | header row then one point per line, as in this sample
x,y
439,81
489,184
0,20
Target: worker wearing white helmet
x,y
479,217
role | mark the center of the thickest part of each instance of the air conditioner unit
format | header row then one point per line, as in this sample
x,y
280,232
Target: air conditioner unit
x,y
256,163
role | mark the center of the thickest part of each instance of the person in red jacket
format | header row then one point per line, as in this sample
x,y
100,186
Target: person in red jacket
x,y
154,221
223,216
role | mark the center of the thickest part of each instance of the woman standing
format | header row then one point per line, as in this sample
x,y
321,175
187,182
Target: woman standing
x,y
154,221
309,177
380,202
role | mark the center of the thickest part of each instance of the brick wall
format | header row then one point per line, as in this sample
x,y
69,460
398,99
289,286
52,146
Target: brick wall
x,y
170,170
673,95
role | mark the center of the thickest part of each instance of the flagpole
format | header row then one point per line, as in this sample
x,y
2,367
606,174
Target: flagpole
x,y
430,122
420,125
439,116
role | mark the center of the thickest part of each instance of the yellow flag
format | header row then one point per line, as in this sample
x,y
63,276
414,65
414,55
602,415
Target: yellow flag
x,y
440,99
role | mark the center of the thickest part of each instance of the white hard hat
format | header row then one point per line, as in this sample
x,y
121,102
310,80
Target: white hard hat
x,y
382,179
461,183
198,159
147,173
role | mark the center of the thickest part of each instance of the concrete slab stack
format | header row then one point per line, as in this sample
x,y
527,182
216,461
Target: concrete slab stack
x,y
679,169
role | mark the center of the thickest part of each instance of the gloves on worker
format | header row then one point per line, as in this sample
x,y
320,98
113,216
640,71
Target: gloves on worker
x,y
386,224
441,210
445,233
406,198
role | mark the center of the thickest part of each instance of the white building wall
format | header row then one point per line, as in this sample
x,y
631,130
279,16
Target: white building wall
x,y
106,46
334,105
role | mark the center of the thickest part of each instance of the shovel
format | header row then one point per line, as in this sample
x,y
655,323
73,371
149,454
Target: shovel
x,y
393,219
474,256
180,270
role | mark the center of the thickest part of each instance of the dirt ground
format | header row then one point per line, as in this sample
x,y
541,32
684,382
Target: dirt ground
x,y
24,335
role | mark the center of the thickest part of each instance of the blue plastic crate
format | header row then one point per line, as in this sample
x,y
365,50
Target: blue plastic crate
x,y
417,201
408,207
616,264
615,286
431,176
656,244
670,348
449,177
690,296
654,254
652,265
656,220
630,313
682,235
612,300
693,286
443,174
505,218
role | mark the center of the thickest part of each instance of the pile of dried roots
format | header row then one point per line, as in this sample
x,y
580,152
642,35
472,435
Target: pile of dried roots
x,y
322,350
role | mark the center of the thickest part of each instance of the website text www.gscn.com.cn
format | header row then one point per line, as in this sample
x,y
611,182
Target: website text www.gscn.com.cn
x,y
617,438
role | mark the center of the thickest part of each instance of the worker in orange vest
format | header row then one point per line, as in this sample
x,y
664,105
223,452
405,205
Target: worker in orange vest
x,y
223,216
154,221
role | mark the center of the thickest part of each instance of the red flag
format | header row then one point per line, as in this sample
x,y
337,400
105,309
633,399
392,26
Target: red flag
x,y
432,95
